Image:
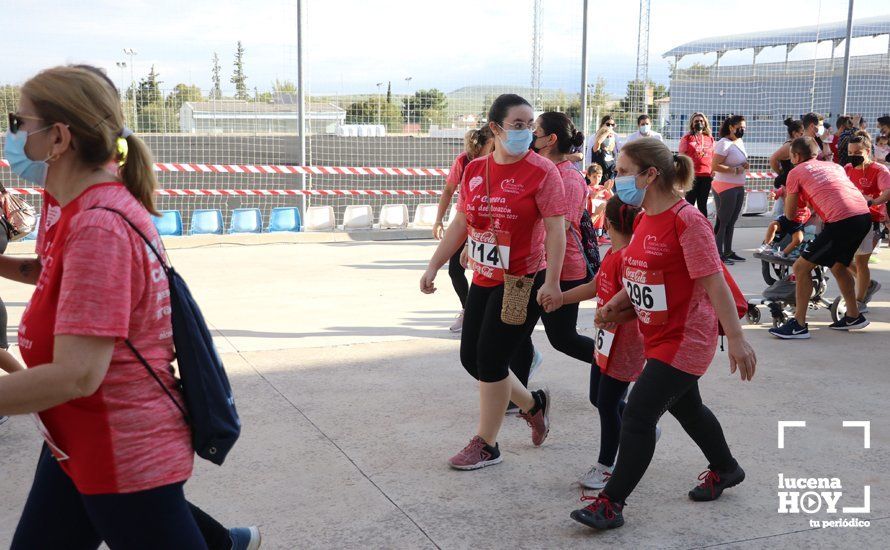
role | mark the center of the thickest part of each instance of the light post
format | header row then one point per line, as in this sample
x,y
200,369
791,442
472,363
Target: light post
x,y
379,102
408,82
122,65
131,53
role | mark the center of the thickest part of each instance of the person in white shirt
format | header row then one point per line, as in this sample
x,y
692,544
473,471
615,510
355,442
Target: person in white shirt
x,y
645,130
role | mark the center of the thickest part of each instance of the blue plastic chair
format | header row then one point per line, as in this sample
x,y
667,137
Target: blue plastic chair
x,y
32,236
169,223
246,220
285,218
206,222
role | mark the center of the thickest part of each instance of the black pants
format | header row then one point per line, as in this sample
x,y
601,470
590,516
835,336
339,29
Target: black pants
x,y
215,534
698,195
662,388
57,515
561,327
4,319
606,395
487,344
729,207
458,279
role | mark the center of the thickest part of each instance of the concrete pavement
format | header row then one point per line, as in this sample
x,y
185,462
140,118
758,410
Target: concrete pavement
x,y
352,398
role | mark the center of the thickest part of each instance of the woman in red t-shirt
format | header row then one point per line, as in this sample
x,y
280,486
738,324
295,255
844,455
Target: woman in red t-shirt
x,y
675,285
477,143
117,450
510,210
698,145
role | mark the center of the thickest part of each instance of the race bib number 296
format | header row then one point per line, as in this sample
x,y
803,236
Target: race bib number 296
x,y
647,294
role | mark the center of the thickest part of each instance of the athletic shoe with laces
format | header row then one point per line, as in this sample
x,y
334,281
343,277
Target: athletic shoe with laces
x,y
536,364
245,538
713,483
764,248
596,477
779,254
850,323
538,418
726,261
791,330
477,454
458,322
602,513
735,257
873,288
862,306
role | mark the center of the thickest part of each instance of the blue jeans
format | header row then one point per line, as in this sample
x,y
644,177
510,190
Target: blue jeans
x,y
57,515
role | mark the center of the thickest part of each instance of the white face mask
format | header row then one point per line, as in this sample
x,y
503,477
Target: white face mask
x,y
644,129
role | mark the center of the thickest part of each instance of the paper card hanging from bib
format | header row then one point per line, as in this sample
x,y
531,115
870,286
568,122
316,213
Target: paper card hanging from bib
x,y
647,294
603,347
487,255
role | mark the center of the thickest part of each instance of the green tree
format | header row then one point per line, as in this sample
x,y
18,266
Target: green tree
x,y
389,92
149,90
374,111
635,95
182,93
9,101
425,107
239,79
216,92
284,86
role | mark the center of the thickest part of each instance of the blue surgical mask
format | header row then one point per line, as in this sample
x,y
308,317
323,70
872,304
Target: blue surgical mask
x,y
627,191
644,129
33,171
517,141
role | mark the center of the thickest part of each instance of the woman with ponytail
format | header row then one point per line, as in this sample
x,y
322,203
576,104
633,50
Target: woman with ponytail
x,y
674,285
117,451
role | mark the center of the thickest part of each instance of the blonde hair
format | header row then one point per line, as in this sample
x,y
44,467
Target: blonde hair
x,y
475,140
600,136
83,101
675,172
707,129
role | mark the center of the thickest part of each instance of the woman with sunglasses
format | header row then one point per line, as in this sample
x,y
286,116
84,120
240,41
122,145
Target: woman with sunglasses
x,y
603,150
510,211
698,144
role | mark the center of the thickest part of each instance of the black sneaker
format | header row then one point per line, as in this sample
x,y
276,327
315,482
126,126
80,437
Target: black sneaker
x,y
713,484
726,260
850,323
791,330
735,257
873,288
602,513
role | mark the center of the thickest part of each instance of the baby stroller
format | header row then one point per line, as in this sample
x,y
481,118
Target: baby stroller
x,y
780,296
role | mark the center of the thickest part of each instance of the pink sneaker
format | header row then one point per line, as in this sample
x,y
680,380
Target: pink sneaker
x,y
477,454
539,421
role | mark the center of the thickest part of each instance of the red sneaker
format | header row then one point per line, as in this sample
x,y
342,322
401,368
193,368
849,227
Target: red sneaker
x,y
538,418
477,454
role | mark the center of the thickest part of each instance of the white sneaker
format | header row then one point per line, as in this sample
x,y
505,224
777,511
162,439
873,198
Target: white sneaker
x,y
764,248
596,477
536,364
458,323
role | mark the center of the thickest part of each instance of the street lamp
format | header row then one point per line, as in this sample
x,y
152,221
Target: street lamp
x,y
408,83
131,53
379,102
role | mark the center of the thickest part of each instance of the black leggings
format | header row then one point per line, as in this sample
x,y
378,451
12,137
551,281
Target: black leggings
x,y
662,388
698,195
729,206
606,395
57,515
458,279
487,344
4,319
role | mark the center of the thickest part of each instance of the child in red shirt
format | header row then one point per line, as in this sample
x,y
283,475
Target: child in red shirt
x,y
782,226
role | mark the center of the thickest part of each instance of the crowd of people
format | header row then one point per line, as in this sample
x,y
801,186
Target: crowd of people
x,y
663,291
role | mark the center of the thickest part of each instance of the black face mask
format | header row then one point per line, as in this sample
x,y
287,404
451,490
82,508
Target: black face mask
x,y
856,160
698,126
740,133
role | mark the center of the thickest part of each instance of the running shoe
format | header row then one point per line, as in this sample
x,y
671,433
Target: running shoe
x,y
602,513
791,330
536,364
873,288
713,483
596,477
726,260
458,322
863,306
538,418
735,257
850,323
779,254
764,248
245,538
477,454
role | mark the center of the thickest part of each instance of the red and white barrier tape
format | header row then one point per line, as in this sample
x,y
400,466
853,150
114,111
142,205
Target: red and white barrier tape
x,y
319,170
266,192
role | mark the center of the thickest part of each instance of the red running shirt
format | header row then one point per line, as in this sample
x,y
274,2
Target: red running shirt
x,y
98,279
826,187
872,181
457,169
522,195
574,266
667,252
619,353
700,148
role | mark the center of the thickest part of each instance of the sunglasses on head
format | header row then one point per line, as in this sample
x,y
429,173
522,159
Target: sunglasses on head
x,y
16,121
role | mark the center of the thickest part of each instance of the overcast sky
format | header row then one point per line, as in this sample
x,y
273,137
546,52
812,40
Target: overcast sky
x,y
353,44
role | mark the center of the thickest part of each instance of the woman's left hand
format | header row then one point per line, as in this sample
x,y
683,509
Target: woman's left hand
x,y
550,297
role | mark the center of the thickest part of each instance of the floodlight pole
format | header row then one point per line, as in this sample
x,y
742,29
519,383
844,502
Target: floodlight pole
x,y
846,76
301,103
584,72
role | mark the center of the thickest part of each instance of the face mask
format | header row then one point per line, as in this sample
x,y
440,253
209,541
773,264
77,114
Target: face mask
x,y
820,130
740,133
33,171
627,191
856,160
699,126
517,141
534,147
644,129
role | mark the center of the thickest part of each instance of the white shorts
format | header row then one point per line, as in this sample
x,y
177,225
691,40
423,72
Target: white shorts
x,y
869,243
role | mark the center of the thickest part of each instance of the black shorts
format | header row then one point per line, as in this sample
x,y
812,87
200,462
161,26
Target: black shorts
x,y
787,227
838,241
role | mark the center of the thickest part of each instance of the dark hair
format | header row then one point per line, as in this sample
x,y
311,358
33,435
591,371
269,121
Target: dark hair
x,y
594,168
884,120
567,136
641,118
793,126
605,119
811,118
498,111
621,216
731,120
843,121
861,137
805,147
